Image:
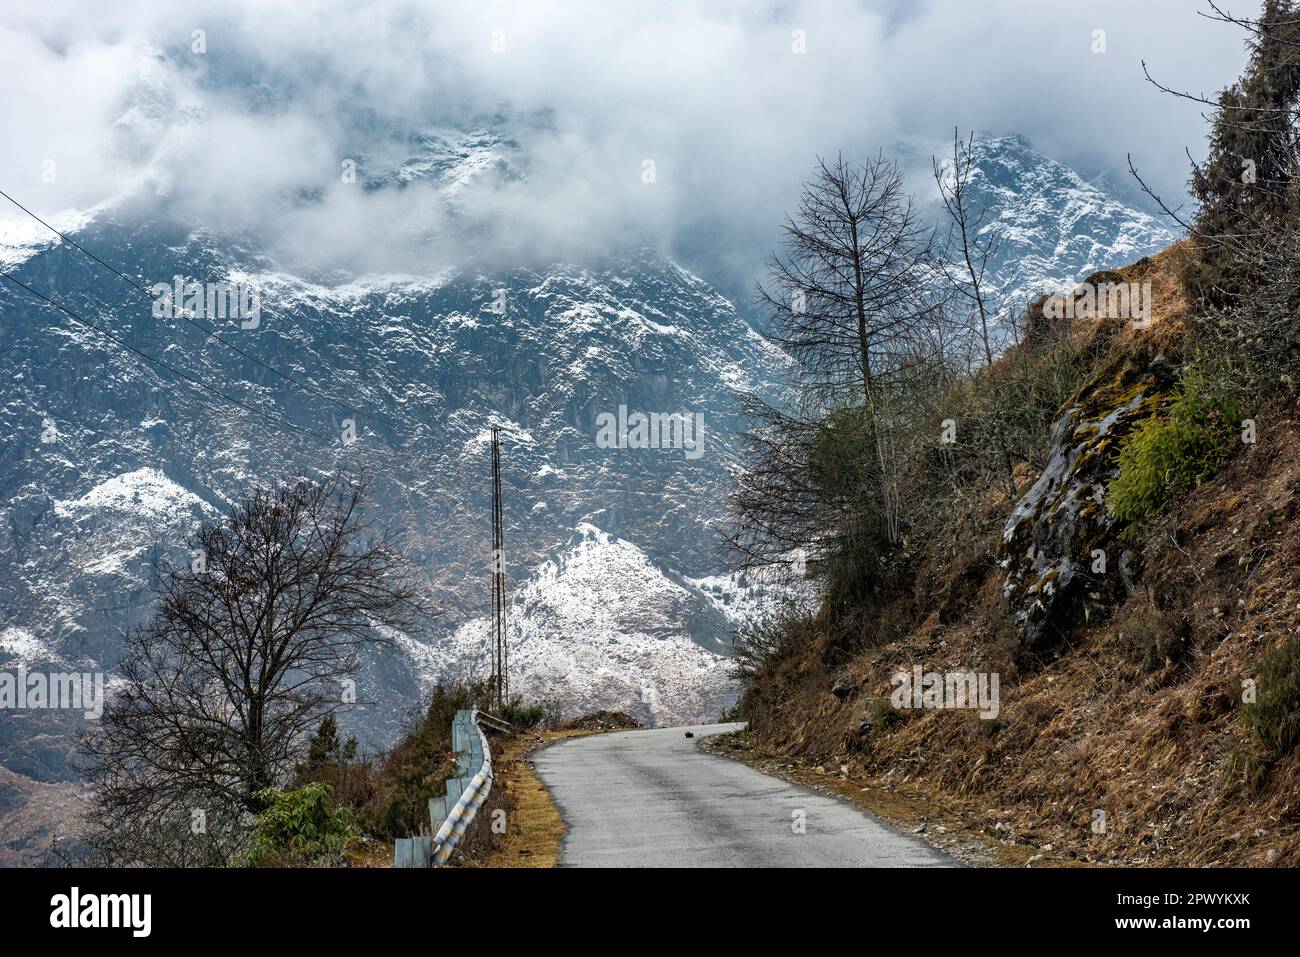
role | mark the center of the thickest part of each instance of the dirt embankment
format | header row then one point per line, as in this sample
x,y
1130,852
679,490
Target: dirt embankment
x,y
1120,742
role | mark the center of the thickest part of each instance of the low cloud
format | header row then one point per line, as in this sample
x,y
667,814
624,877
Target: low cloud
x,y
730,101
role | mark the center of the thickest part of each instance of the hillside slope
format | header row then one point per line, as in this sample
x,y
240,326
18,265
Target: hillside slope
x,y
1119,738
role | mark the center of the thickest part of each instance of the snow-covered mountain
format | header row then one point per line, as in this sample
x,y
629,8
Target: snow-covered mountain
x,y
107,460
619,599
1052,226
122,462
599,625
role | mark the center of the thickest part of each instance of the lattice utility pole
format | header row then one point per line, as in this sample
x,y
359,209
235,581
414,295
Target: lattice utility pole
x,y
500,654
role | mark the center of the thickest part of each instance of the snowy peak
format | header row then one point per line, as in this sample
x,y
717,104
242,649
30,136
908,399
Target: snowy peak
x,y
1051,226
449,160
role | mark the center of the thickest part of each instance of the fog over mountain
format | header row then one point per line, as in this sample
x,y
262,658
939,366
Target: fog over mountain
x,y
239,119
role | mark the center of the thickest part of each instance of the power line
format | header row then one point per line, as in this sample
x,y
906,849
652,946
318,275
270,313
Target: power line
x,y
274,419
210,332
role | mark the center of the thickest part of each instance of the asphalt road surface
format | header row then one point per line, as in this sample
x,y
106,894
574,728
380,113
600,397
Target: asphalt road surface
x,y
654,799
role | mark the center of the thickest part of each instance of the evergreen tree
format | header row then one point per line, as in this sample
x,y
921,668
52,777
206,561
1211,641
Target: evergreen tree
x,y
326,749
1244,188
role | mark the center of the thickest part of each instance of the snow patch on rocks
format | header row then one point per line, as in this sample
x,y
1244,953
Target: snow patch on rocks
x,y
598,625
146,492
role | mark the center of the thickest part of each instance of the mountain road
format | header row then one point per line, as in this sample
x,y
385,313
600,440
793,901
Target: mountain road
x,y
654,799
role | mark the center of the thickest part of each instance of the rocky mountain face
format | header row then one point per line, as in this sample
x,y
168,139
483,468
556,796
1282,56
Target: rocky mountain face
x,y
619,599
599,625
108,459
1050,225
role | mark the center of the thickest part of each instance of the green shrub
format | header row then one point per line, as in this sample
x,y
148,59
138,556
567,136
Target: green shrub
x,y
325,750
1169,454
522,715
883,713
417,768
387,796
1273,720
298,827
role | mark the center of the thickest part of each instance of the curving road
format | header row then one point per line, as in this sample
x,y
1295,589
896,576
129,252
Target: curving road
x,y
654,799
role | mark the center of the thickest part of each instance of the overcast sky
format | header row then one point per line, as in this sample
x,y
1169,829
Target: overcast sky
x,y
714,92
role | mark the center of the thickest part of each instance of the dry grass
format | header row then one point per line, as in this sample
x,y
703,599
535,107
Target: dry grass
x,y
374,854
1171,302
534,828
1148,731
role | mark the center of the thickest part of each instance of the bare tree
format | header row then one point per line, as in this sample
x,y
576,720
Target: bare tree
x,y
848,298
967,252
245,655
784,516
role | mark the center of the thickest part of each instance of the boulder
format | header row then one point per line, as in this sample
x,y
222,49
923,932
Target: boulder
x,y
1060,544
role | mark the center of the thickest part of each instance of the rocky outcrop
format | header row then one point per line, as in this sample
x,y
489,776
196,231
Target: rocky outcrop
x,y
1060,547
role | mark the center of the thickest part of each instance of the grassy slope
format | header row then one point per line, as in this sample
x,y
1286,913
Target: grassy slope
x,y
1109,720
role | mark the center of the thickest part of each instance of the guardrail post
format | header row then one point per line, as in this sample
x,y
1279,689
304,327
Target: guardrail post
x,y
466,793
438,808
413,852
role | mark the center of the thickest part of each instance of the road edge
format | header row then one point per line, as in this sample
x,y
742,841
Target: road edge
x,y
536,827
937,824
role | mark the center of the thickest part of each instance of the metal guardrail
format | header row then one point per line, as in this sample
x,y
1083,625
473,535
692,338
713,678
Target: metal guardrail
x,y
451,814
496,724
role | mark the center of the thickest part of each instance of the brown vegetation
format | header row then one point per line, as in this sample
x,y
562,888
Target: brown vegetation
x,y
1137,713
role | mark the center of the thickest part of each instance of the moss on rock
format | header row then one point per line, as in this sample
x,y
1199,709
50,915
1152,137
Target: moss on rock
x,y
1051,539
